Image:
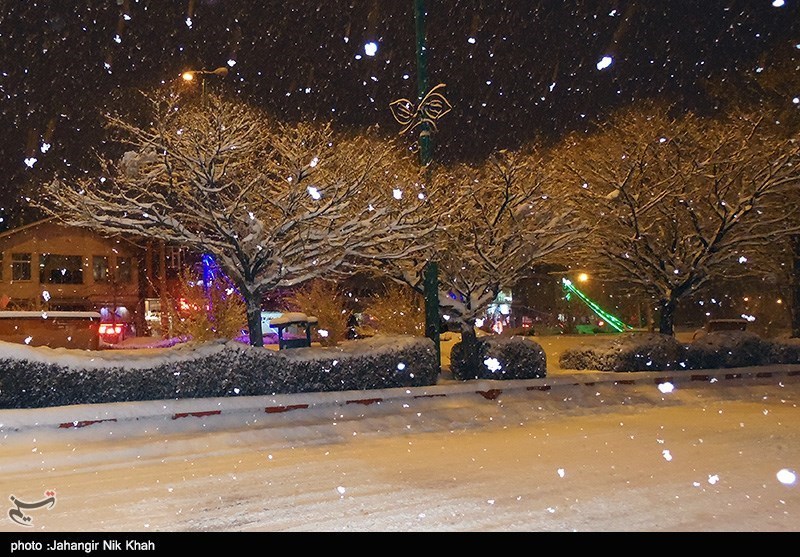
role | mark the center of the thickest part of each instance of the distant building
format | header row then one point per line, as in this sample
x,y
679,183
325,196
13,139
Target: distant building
x,y
47,265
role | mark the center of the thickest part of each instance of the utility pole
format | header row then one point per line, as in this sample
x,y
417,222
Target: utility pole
x,y
430,274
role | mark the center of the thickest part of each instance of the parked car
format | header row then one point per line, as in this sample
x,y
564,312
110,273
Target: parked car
x,y
713,325
114,332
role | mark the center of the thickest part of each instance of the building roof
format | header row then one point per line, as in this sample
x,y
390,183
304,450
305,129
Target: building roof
x,y
16,230
13,231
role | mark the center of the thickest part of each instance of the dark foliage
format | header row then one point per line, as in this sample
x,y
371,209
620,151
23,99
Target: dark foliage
x,y
657,352
221,370
501,358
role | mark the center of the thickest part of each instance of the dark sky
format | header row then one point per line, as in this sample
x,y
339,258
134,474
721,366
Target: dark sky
x,y
514,69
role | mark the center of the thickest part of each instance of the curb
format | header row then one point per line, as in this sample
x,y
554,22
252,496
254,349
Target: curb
x,y
242,408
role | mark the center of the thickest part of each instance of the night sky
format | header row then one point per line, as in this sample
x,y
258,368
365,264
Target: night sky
x,y
515,70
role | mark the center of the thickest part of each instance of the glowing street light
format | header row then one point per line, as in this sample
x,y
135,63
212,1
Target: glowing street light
x,y
189,76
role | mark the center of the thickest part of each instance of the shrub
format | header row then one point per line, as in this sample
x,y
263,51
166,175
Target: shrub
x,y
501,358
629,352
322,299
725,349
206,312
785,351
397,311
213,369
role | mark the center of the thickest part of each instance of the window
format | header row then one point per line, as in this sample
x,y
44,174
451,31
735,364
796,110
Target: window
x,y
173,257
60,269
100,268
123,270
20,266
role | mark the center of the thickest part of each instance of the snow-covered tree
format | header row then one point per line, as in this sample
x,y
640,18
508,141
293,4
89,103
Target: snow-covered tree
x,y
501,217
276,204
770,89
679,201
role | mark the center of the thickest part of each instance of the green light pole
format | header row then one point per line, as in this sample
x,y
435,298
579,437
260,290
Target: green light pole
x,y
430,274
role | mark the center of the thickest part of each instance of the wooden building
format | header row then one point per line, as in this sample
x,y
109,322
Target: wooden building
x,y
47,265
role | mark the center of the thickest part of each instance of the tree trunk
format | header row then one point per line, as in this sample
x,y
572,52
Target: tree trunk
x,y
794,286
666,318
142,328
162,289
253,302
650,322
469,345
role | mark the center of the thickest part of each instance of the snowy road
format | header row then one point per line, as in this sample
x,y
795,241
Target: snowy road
x,y
602,458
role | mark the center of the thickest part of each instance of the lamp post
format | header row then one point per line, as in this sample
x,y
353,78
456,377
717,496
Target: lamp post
x,y
189,76
430,276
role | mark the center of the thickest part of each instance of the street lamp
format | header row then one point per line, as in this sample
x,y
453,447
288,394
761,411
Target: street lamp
x,y
189,76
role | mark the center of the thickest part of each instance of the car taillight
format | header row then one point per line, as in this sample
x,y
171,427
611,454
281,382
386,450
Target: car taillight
x,y
110,329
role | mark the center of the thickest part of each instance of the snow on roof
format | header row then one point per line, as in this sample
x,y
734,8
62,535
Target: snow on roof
x,y
47,314
292,317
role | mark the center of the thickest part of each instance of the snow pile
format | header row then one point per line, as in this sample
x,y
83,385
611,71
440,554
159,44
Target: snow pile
x,y
658,352
32,377
501,358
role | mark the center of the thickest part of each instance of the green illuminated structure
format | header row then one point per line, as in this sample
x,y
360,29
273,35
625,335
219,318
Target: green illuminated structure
x,y
614,322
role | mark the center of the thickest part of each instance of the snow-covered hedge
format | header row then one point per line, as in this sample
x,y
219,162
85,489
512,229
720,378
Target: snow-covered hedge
x,y
657,352
636,352
729,349
501,358
40,377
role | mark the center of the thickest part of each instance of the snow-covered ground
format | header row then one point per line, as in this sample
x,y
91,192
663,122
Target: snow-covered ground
x,y
583,457
575,451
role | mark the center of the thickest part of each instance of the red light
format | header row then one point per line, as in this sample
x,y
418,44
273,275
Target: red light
x,y
111,330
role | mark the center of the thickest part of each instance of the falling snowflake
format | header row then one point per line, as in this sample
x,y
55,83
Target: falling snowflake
x,y
666,387
604,62
493,364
